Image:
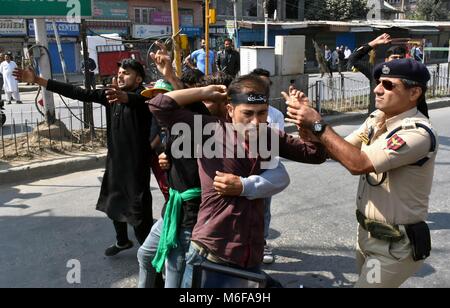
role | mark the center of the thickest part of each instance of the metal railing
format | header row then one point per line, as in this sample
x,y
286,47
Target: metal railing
x,y
343,94
25,133
339,94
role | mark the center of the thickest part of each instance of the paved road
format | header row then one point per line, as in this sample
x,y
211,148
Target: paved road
x,y
44,224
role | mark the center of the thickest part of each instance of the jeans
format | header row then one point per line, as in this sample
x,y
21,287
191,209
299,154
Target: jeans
x,y
175,262
218,281
146,253
267,217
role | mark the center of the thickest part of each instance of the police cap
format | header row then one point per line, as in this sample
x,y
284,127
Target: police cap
x,y
404,69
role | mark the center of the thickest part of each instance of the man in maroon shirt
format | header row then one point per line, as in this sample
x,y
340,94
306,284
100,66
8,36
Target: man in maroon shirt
x,y
230,229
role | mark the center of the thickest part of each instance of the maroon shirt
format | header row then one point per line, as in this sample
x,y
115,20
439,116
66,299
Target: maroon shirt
x,y
232,228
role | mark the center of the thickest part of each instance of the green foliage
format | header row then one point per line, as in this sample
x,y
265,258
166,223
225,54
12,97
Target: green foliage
x,y
335,9
430,10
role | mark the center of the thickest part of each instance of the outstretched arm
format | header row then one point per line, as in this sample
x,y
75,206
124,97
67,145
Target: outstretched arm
x,y
350,156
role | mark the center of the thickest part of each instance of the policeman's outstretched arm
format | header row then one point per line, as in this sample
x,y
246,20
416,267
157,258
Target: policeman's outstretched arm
x,y
351,157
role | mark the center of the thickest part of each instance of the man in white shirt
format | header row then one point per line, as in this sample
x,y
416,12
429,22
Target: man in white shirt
x,y
275,120
10,84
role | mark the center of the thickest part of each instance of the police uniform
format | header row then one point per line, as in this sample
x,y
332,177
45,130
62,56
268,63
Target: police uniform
x,y
394,200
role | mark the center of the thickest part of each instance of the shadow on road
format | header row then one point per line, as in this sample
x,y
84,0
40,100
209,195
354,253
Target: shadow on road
x,y
8,194
444,140
337,266
439,221
36,249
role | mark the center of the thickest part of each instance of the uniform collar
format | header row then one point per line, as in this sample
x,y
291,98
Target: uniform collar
x,y
396,121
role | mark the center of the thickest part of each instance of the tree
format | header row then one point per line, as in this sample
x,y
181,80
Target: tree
x,y
336,9
430,10
316,10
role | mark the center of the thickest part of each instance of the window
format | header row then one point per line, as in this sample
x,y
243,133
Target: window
x,y
186,17
225,7
291,9
249,8
142,15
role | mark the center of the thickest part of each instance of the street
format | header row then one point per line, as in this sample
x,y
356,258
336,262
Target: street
x,y
45,224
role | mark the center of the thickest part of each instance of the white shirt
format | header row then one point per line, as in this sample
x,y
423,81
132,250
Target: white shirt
x,y
9,82
347,53
275,118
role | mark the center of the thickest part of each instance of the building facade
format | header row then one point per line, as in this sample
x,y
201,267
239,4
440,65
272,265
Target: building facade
x,y
252,10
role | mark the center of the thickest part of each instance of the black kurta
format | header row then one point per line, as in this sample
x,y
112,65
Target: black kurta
x,y
125,193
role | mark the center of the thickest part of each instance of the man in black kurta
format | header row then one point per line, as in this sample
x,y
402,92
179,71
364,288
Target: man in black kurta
x,y
125,194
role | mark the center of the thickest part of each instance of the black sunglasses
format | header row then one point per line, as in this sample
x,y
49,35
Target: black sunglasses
x,y
387,84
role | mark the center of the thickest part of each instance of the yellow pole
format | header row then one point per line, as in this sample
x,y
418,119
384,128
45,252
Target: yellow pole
x,y
176,36
207,37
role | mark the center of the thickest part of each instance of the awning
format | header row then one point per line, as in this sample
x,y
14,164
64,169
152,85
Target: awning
x,y
422,30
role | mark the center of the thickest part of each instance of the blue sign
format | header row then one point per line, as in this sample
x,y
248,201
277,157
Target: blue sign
x,y
64,29
191,31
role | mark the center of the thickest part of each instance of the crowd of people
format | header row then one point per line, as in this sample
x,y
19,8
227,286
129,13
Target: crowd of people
x,y
218,186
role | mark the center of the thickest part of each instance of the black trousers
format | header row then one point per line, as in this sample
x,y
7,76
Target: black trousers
x,y
141,232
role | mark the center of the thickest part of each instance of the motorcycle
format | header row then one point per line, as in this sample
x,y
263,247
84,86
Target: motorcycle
x,y
2,115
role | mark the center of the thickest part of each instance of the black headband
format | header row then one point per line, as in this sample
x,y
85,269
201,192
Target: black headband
x,y
254,99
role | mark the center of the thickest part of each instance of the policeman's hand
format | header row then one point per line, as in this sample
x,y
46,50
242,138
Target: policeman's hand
x,y
228,184
307,135
299,111
215,93
381,40
164,161
28,75
114,95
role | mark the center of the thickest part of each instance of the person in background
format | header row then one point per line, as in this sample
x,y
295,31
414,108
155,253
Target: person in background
x,y
359,61
10,84
197,59
228,59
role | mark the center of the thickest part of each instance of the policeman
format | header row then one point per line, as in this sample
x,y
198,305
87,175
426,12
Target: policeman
x,y
394,152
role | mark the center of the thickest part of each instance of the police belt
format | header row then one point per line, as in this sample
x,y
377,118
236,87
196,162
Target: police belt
x,y
380,230
205,253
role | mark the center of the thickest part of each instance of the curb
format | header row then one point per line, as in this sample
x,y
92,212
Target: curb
x,y
52,168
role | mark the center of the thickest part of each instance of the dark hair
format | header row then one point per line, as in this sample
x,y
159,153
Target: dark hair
x,y
421,102
396,50
133,65
260,72
228,40
219,78
249,84
191,77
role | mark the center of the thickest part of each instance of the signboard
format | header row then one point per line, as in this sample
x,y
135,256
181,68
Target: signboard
x,y
165,18
110,10
64,29
13,27
161,18
191,31
147,31
73,9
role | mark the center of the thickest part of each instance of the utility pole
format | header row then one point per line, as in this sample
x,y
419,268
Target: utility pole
x,y
176,35
87,107
266,23
60,51
236,31
207,37
44,68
